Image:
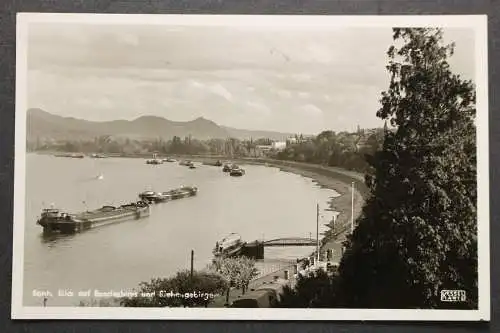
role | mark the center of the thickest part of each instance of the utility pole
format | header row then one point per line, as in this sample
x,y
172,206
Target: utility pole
x,y
352,208
317,232
192,261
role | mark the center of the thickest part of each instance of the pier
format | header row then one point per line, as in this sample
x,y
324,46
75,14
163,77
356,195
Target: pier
x,y
255,249
291,241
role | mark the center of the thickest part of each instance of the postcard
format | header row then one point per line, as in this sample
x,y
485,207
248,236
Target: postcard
x,y
248,167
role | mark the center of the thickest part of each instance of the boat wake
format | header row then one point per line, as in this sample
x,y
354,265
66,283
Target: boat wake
x,y
91,179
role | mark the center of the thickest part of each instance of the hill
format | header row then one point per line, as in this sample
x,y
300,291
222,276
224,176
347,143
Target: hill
x,y
42,124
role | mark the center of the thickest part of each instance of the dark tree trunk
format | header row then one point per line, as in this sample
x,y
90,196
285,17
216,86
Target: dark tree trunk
x,y
227,296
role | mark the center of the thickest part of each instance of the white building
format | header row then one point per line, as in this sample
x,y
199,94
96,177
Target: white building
x,y
291,141
279,145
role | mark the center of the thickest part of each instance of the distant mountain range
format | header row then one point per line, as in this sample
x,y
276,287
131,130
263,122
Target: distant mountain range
x,y
42,124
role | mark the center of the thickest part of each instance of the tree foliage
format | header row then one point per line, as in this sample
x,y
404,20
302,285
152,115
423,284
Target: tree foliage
x,y
343,149
177,145
417,234
237,272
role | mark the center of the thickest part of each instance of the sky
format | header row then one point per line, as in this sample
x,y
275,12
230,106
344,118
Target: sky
x,y
259,78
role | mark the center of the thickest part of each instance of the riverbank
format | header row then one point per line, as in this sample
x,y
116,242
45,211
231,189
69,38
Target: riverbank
x,y
336,179
341,183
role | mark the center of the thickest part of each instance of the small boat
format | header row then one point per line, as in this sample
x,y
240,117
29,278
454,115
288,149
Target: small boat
x,y
218,163
226,168
54,220
154,160
70,155
229,245
185,163
169,160
156,197
191,165
98,156
236,172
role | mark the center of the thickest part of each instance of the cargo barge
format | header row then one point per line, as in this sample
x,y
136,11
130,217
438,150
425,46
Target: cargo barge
x,y
237,172
179,193
54,220
154,161
70,155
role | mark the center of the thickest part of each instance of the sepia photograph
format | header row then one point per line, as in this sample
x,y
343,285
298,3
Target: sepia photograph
x,y
251,167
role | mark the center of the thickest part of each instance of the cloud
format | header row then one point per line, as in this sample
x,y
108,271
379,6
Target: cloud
x,y
196,84
221,91
302,77
259,108
122,72
284,93
312,110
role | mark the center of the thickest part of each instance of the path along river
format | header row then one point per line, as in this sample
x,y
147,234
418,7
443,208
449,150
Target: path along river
x,y
265,203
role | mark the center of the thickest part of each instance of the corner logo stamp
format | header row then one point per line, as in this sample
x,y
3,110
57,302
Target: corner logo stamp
x,y
455,295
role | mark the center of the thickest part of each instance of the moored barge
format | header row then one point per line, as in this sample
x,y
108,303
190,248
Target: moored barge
x,y
98,156
236,172
70,155
54,220
178,193
154,161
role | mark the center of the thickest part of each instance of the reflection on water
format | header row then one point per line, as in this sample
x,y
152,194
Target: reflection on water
x,y
265,203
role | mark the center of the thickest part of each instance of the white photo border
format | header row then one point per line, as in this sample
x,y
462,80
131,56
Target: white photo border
x,y
476,22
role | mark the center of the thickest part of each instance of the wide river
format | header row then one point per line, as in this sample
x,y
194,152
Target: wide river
x,y
266,203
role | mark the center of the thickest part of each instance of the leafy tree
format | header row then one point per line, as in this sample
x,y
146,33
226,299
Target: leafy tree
x,y
180,285
247,272
102,142
417,234
237,272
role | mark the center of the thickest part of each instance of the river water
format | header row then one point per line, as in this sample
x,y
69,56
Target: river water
x,y
266,203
